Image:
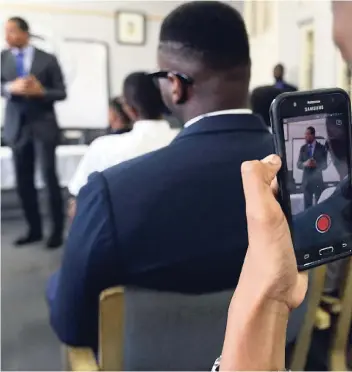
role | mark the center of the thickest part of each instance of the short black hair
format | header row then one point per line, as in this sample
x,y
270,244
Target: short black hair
x,y
21,23
261,99
311,130
210,31
142,93
116,105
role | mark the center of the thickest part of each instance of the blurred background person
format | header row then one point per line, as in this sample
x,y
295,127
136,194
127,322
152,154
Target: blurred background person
x,y
142,103
279,77
31,82
119,121
261,99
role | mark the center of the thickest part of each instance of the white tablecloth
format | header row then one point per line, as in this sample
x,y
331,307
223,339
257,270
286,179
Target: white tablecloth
x,y
67,159
297,203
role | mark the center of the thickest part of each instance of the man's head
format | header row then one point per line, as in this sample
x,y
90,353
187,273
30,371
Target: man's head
x,y
279,72
309,135
142,99
342,28
204,59
17,32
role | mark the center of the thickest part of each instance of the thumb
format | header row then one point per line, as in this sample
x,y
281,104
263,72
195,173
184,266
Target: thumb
x,y
257,176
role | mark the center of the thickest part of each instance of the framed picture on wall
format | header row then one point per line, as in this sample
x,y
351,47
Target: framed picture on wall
x,y
130,27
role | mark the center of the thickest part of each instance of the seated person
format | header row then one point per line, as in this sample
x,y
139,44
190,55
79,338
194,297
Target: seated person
x,y
261,99
174,219
119,121
144,106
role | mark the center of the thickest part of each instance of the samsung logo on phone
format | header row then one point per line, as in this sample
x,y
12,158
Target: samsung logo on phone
x,y
314,108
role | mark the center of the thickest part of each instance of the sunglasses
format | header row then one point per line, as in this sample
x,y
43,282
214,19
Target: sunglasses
x,y
164,74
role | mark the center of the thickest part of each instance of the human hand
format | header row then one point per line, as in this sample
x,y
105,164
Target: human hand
x,y
18,86
270,267
34,87
309,163
313,163
71,208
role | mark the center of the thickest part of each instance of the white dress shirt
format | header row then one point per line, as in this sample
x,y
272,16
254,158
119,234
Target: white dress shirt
x,y
217,113
106,151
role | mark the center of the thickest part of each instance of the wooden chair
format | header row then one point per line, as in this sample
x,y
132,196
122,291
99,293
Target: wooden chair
x,y
148,330
314,317
339,342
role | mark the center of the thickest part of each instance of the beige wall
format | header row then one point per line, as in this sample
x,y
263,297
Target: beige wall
x,y
94,20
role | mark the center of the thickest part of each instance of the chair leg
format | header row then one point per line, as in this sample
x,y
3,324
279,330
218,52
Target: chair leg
x,y
338,356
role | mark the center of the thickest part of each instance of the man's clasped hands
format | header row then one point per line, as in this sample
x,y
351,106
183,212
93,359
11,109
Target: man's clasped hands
x,y
28,86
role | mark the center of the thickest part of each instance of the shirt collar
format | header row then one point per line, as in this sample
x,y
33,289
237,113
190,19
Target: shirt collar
x,y
217,113
148,125
27,49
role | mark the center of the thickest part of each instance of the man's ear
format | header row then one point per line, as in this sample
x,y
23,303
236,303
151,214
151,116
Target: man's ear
x,y
178,90
130,111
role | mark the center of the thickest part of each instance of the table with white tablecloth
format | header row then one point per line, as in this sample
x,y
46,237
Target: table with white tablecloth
x,y
67,159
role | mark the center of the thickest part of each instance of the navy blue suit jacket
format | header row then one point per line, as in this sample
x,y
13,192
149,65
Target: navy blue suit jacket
x,y
172,220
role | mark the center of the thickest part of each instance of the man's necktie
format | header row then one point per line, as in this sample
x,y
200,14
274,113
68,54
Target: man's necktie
x,y
310,151
20,64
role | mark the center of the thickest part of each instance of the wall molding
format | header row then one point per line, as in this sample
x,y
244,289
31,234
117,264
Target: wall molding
x,y
36,8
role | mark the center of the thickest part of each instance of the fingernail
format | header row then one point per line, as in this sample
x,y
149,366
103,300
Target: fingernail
x,y
275,160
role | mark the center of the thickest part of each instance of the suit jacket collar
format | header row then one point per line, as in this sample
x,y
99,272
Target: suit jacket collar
x,y
10,63
225,123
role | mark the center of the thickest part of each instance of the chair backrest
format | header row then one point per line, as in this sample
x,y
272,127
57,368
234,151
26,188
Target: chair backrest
x,y
149,330
174,332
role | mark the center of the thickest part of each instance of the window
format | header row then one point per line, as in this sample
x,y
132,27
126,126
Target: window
x,y
257,15
307,57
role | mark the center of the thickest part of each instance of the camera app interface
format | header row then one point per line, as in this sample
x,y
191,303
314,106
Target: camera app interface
x,y
319,181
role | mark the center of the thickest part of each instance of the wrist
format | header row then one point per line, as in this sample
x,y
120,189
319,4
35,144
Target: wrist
x,y
255,334
256,302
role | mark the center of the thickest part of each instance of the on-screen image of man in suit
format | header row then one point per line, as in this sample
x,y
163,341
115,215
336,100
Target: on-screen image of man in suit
x,y
312,160
31,82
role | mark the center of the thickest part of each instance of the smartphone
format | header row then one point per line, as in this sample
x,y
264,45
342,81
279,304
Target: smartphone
x,y
313,136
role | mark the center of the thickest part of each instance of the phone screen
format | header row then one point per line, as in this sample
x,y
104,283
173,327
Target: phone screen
x,y
317,143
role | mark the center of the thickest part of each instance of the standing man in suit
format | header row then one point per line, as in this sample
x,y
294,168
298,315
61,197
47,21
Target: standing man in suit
x,y
31,82
312,160
280,83
170,219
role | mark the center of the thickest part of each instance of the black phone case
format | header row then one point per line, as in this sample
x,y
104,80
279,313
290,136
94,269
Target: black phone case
x,y
280,149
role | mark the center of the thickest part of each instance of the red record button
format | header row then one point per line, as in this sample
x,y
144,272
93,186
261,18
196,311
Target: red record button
x,y
323,223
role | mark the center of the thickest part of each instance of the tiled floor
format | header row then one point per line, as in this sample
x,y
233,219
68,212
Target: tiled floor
x,y
27,342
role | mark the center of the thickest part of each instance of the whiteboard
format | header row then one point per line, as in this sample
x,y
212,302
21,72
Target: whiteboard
x,y
84,66
330,174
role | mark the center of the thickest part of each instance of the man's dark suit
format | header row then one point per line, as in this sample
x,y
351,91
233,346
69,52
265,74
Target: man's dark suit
x,y
170,220
30,128
285,87
312,182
